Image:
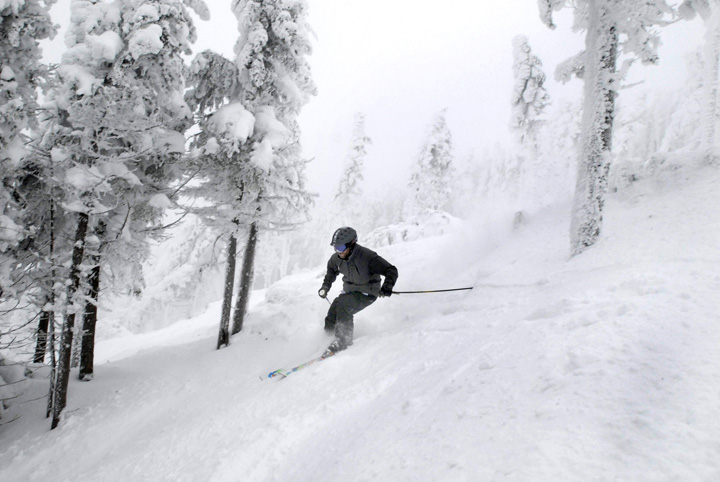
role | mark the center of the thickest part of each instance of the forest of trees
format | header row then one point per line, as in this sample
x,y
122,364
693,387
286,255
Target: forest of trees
x,y
104,153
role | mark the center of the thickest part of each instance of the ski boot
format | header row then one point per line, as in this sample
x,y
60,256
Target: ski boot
x,y
334,347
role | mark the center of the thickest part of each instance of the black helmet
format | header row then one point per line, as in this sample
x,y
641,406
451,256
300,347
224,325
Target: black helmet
x,y
344,236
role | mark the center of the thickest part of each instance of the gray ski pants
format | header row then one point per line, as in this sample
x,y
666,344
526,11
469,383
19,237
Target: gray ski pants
x,y
339,319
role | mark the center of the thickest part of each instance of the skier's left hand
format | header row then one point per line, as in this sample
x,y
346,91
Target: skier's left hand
x,y
385,292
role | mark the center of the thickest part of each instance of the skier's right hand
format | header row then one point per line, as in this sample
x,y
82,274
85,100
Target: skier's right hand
x,y
322,293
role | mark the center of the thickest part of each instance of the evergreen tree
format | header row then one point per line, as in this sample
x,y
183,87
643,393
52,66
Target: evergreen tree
x,y
348,208
248,153
22,25
27,212
529,100
529,96
610,25
349,189
276,82
119,120
430,181
218,160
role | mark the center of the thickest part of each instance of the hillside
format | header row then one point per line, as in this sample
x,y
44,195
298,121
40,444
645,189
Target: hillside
x,y
600,367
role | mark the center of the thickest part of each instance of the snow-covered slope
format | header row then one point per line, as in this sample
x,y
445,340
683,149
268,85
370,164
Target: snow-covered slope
x,y
602,367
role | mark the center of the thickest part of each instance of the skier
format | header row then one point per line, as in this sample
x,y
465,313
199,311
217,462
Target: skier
x,y
361,269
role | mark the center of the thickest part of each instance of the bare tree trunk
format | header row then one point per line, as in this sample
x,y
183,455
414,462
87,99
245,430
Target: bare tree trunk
x,y
75,351
90,315
46,316
601,43
42,337
51,318
87,351
53,370
246,277
66,338
224,335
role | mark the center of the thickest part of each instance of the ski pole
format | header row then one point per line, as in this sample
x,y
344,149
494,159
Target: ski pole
x,y
429,291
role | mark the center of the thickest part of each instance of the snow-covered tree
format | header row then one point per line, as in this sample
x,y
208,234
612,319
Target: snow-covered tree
x,y
24,214
225,180
22,25
118,125
248,152
430,180
529,96
529,100
610,25
276,82
349,188
349,192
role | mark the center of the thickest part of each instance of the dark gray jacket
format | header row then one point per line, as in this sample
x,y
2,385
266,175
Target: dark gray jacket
x,y
361,271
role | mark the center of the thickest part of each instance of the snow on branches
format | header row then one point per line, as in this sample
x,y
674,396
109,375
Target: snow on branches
x,y
529,96
22,25
248,144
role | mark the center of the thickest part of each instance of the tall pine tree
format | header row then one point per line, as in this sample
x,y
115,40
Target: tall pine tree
x,y
349,210
119,121
529,96
248,152
529,100
22,26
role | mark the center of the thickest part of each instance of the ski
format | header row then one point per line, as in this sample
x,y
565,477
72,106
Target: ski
x,y
284,373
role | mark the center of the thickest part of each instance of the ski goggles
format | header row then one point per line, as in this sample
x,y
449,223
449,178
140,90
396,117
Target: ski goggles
x,y
341,247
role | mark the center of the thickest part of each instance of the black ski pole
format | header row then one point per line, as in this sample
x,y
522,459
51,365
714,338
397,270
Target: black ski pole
x,y
429,291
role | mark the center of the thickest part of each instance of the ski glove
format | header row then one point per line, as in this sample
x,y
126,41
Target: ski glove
x,y
322,293
385,292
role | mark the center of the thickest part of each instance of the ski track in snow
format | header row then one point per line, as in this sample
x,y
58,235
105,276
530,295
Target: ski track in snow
x,y
600,367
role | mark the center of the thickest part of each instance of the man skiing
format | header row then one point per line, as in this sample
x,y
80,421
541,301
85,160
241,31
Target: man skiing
x,y
361,269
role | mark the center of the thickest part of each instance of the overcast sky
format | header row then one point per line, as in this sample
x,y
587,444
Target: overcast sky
x,y
401,61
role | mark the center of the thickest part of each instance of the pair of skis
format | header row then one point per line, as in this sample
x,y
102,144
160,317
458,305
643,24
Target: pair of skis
x,y
283,373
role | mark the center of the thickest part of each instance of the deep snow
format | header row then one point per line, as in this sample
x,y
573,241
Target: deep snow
x,y
602,367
